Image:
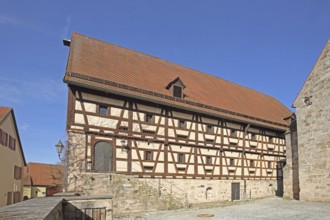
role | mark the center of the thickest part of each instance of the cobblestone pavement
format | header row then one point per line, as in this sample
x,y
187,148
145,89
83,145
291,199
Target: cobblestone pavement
x,y
270,208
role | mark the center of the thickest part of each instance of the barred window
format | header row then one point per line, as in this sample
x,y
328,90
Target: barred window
x,y
208,160
181,158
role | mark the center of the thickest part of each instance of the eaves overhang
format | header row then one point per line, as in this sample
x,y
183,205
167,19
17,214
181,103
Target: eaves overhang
x,y
86,84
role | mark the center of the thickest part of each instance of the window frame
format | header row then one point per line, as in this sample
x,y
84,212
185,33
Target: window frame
x,y
148,155
231,162
209,129
182,124
176,90
208,160
233,133
181,158
103,107
149,118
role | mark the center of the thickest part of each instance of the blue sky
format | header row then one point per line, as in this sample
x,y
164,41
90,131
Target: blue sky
x,y
270,46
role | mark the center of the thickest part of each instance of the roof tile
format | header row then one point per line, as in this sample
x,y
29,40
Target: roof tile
x,y
107,62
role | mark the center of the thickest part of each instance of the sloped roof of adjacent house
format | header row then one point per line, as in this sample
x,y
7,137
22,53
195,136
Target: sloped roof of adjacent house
x,y
103,66
40,174
4,112
321,64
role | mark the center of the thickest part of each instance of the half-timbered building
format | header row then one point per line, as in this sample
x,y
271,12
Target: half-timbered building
x,y
133,114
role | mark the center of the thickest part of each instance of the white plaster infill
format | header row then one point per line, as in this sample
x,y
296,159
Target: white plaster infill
x,y
233,140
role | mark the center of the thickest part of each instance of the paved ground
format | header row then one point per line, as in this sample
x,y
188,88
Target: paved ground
x,y
270,208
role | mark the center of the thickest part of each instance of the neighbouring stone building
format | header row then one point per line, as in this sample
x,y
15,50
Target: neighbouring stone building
x,y
307,174
141,128
12,159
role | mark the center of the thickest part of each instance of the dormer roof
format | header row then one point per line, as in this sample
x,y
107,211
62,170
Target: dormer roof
x,y
176,81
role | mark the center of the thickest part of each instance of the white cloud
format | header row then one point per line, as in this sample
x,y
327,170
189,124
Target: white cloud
x,y
25,126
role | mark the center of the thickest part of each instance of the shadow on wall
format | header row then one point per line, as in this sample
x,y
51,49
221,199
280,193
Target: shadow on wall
x,y
72,212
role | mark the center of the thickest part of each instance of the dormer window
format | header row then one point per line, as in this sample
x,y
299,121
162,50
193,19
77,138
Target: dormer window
x,y
176,88
177,91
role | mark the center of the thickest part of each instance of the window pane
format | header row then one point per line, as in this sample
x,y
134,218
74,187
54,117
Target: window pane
x,y
103,110
177,91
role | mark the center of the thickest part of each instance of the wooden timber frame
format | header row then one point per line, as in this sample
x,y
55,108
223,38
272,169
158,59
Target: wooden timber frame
x,y
209,147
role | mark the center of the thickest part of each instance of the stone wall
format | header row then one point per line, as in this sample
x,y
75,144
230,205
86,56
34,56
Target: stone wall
x,y
313,122
291,170
97,207
203,191
139,195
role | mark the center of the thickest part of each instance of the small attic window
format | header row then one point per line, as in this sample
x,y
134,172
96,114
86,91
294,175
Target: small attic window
x,y
176,88
177,91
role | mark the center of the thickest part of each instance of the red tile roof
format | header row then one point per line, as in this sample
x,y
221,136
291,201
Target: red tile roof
x,y
4,112
39,174
99,65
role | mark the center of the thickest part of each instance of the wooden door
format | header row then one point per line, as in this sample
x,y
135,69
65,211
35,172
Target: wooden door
x,y
235,191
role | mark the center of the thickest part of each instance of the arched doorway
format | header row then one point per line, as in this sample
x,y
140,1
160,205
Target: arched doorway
x,y
102,157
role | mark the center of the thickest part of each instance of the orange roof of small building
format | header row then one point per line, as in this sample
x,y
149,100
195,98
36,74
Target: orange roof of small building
x,y
40,174
103,66
4,112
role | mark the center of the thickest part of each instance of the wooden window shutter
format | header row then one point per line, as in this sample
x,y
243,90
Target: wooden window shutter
x,y
103,157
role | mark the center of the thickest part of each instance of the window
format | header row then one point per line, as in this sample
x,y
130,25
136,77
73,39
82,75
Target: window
x,y
12,143
17,173
149,118
177,91
269,165
181,136
148,155
148,132
209,129
6,140
148,169
253,137
232,162
251,163
103,110
208,160
182,124
181,158
123,128
209,140
271,139
233,133
102,157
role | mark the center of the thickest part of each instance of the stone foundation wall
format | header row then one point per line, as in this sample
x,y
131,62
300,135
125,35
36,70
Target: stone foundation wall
x,y
201,191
